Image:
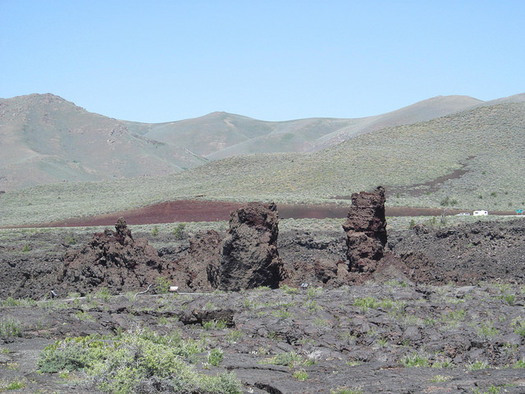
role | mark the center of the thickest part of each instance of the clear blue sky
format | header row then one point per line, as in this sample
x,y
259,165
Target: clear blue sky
x,y
157,61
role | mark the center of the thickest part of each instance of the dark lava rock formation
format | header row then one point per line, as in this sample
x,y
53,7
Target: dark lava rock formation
x,y
112,259
365,230
195,270
463,254
249,256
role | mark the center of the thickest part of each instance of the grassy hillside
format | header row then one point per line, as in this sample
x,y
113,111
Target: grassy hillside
x,y
46,139
471,160
419,112
219,135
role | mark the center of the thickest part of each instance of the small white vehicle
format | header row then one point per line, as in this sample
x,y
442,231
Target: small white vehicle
x,y
480,213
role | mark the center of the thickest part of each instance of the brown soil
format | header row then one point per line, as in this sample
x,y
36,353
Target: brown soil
x,y
210,211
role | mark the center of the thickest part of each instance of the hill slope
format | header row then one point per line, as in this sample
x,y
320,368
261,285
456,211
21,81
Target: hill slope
x,y
219,135
471,160
46,139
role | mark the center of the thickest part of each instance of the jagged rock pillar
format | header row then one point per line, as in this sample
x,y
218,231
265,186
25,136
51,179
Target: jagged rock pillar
x,y
112,259
365,230
249,255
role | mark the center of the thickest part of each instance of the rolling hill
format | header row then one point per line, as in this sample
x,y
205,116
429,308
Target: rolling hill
x,y
472,159
45,139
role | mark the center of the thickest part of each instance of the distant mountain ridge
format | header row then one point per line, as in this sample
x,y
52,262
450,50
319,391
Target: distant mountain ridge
x,y
45,139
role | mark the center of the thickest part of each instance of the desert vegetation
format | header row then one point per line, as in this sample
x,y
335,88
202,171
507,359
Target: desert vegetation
x,y
440,333
472,159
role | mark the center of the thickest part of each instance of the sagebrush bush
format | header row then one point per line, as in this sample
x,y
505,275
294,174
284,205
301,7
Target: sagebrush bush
x,y
121,364
10,327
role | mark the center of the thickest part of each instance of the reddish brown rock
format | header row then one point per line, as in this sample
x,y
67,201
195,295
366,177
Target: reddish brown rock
x,y
112,259
365,230
198,268
249,256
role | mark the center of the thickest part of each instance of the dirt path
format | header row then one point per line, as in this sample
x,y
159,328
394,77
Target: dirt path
x,y
210,211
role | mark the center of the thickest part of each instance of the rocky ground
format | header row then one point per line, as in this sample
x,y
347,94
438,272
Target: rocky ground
x,y
390,337
450,318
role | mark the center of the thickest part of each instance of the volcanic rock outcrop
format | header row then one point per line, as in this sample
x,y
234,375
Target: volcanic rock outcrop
x,y
249,256
365,230
195,270
112,259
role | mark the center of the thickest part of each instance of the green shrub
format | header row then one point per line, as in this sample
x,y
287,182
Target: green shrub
x,y
162,285
214,325
155,231
70,239
366,303
178,231
519,326
289,290
215,356
415,361
10,327
509,299
9,301
487,330
440,379
120,364
477,365
290,359
519,364
314,292
282,313
103,294
300,375
15,385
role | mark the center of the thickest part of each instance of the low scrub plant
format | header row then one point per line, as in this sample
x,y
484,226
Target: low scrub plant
x,y
519,364
178,231
477,365
519,326
234,336
487,330
415,361
300,375
282,313
162,285
155,231
10,327
214,325
23,302
290,359
440,379
453,318
103,294
509,299
366,303
120,364
215,356
313,306
314,292
492,390
14,385
289,290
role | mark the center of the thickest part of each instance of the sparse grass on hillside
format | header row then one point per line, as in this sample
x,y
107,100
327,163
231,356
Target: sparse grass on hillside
x,y
486,142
